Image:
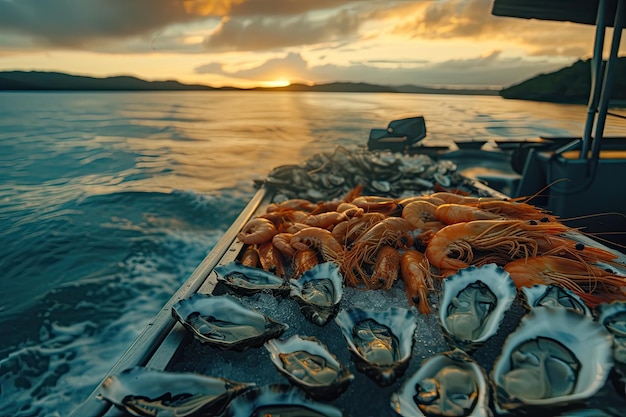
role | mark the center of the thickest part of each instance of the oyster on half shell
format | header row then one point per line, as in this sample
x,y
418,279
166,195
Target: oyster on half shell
x,y
554,296
613,317
381,342
247,280
449,384
318,292
278,400
147,392
555,357
307,363
473,303
223,322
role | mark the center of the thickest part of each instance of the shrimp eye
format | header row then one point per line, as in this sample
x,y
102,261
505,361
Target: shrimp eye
x,y
416,299
533,222
544,220
579,246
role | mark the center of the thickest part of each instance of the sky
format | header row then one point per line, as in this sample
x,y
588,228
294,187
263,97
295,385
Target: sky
x,y
247,43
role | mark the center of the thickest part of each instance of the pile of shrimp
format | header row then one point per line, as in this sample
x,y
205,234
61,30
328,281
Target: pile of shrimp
x,y
378,240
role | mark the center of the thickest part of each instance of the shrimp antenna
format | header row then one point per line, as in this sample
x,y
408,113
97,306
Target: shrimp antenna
x,y
539,193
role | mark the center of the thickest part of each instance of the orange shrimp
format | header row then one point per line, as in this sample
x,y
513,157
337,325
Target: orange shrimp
x,y
387,206
256,231
453,246
325,206
429,199
283,218
320,240
390,231
281,241
573,274
451,213
271,259
419,212
250,256
303,260
295,227
415,272
293,204
325,220
453,198
350,210
569,248
348,231
514,210
386,269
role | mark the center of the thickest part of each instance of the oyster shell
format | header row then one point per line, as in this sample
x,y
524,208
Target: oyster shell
x,y
554,296
613,317
223,322
247,280
147,392
307,363
473,303
447,384
555,357
278,400
318,292
381,342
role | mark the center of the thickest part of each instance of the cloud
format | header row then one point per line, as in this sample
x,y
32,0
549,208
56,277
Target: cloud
x,y
472,19
291,66
492,70
84,24
77,24
266,33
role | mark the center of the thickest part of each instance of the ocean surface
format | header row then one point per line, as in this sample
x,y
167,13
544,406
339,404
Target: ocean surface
x,y
108,202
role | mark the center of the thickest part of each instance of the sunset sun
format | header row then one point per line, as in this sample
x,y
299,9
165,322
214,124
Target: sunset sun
x,y
277,83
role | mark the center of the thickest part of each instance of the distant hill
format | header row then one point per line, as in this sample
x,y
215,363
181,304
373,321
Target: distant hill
x,y
568,85
37,80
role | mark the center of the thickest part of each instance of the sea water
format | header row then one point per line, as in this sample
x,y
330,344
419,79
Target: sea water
x,y
108,201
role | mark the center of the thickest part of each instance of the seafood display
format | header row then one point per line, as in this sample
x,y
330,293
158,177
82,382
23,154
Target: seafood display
x,y
544,364
223,322
147,392
447,384
473,304
308,364
380,341
490,306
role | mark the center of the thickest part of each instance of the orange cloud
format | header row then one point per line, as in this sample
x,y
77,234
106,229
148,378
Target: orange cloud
x,y
210,7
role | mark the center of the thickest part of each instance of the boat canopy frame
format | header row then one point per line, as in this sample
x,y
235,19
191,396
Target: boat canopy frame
x,y
601,13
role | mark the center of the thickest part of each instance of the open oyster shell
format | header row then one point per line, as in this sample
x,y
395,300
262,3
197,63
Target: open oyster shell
x,y
279,400
147,392
554,296
555,357
318,292
223,322
473,303
448,384
307,363
613,317
381,342
246,280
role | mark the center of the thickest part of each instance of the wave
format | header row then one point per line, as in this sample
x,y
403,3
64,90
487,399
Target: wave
x,y
103,277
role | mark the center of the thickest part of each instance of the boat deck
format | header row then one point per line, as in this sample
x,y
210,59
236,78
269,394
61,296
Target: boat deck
x,y
166,345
